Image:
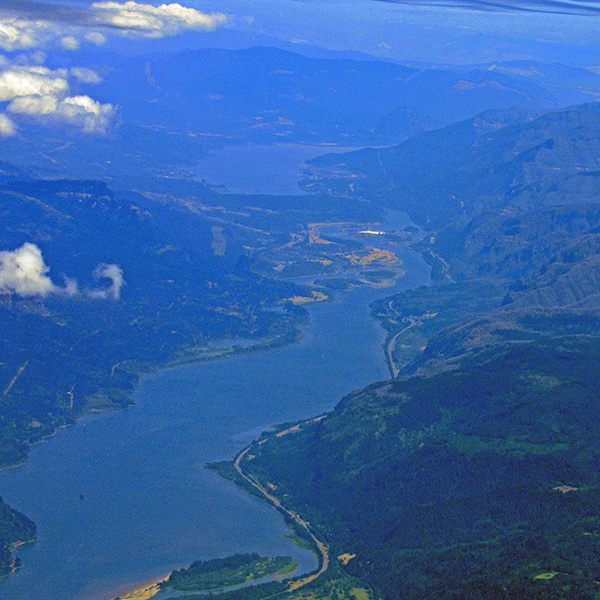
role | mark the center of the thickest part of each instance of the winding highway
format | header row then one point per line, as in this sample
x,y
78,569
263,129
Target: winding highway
x,y
323,549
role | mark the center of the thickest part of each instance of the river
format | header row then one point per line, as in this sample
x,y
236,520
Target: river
x,y
123,497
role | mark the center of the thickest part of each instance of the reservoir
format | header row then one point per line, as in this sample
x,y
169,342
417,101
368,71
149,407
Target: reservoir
x,y
122,498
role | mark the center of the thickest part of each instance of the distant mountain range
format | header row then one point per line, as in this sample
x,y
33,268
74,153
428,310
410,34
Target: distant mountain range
x,y
173,107
256,93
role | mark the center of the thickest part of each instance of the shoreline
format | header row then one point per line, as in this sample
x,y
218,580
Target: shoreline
x,y
321,549
149,588
230,352
143,591
10,466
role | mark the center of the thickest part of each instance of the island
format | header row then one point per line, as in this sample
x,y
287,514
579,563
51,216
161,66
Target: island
x,y
232,571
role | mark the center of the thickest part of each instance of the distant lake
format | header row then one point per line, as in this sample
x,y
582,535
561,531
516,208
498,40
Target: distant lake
x,y
260,169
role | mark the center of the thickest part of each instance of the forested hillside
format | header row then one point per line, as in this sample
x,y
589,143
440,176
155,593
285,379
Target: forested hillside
x,y
121,288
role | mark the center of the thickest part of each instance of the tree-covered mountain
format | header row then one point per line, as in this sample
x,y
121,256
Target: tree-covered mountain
x,y
498,160
15,529
467,483
474,473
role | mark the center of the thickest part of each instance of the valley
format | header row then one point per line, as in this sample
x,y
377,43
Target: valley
x,y
417,305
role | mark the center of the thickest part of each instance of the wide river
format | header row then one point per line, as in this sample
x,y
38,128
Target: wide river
x,y
147,503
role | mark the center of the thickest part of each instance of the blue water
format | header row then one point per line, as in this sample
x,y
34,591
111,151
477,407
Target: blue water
x,y
150,506
249,169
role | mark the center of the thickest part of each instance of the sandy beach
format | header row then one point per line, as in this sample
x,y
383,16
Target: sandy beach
x,y
143,591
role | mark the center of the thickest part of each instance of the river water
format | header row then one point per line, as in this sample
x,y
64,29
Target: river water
x,y
149,505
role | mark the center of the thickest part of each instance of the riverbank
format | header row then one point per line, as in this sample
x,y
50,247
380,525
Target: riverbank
x,y
318,547
301,526
144,591
147,590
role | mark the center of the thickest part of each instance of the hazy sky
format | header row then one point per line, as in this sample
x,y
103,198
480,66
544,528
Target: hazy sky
x,y
424,32
461,32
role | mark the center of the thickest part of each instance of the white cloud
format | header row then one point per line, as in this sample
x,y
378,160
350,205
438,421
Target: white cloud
x,y
34,105
84,112
115,274
79,111
28,81
43,94
95,37
24,272
86,75
7,127
69,42
158,21
18,34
